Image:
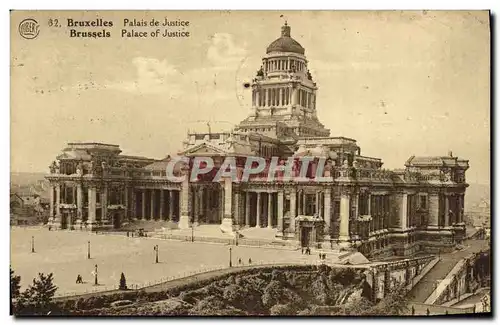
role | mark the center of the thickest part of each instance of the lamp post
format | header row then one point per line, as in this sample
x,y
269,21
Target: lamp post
x,y
95,276
88,250
156,251
32,244
230,258
192,232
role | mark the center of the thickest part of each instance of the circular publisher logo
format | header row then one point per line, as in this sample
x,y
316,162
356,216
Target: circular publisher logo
x,y
29,28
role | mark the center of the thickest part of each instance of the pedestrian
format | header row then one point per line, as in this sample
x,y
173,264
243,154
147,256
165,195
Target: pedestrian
x,y
302,249
320,256
249,261
239,261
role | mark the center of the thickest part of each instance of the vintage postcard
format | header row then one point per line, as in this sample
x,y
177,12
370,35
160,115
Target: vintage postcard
x,y
250,163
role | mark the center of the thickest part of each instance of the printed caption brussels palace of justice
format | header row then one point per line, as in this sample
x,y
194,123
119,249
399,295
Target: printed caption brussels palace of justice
x,y
250,163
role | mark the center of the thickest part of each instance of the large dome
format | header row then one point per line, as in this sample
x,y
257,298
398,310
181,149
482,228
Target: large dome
x,y
285,43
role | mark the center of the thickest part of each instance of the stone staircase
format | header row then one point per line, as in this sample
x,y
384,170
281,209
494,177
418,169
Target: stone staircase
x,y
423,289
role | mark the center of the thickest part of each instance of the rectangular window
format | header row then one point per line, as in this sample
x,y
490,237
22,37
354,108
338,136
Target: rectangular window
x,y
423,202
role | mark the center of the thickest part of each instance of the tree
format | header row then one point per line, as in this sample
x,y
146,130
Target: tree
x,y
123,282
36,299
395,303
15,285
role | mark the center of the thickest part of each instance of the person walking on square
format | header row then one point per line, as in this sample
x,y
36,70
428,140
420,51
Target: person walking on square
x,y
239,261
250,261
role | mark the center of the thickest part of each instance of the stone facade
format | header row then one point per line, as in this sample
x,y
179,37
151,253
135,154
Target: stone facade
x,y
363,207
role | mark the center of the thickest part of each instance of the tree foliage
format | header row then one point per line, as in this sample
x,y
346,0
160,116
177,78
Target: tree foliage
x,y
37,298
123,282
15,285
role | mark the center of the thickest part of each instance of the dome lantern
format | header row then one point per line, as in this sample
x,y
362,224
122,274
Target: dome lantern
x,y
285,43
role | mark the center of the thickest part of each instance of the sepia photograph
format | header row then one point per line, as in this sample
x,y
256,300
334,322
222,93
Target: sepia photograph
x,y
250,163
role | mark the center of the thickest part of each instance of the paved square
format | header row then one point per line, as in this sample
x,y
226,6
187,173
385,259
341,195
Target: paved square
x,y
64,253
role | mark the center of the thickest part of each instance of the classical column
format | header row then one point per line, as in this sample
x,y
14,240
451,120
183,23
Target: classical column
x,y
184,201
227,220
199,208
461,208
269,210
125,203
295,95
143,216
134,204
316,210
162,204
280,210
51,189
327,216
320,205
91,221
237,208
446,210
433,209
104,204
344,217
303,203
79,204
403,211
293,209
247,209
369,207
171,205
58,201
257,217
152,208
356,205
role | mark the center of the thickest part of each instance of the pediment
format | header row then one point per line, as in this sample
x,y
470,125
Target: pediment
x,y
204,149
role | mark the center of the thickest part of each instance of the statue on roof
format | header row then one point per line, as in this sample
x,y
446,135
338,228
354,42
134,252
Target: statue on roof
x,y
260,72
309,75
54,168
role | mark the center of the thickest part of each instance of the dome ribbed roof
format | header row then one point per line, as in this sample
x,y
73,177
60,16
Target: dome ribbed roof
x,y
285,43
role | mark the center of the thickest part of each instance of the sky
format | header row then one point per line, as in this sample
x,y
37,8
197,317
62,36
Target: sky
x,y
401,83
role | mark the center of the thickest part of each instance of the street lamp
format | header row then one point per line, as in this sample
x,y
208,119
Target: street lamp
x,y
88,250
230,259
32,244
156,251
95,276
192,232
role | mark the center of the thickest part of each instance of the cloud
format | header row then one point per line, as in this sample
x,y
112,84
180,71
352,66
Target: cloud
x,y
215,81
152,76
223,53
